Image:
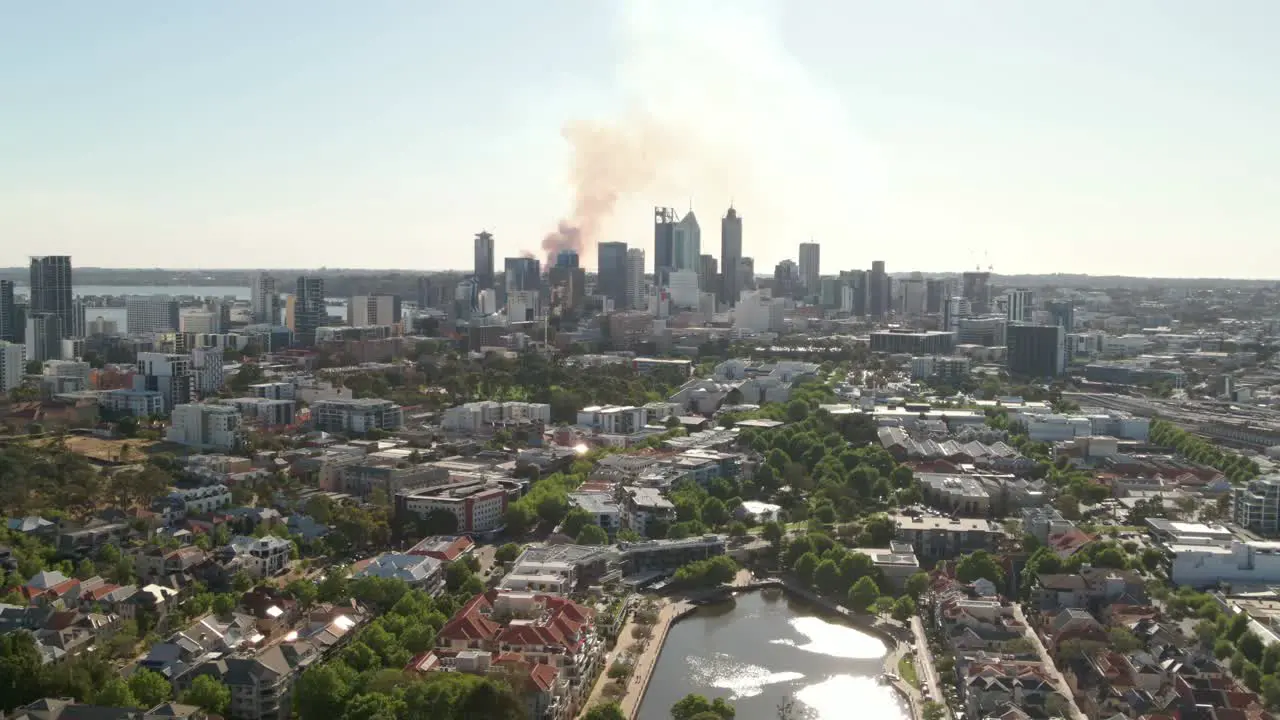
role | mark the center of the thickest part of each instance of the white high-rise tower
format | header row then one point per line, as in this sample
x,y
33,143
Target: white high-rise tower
x,y
636,295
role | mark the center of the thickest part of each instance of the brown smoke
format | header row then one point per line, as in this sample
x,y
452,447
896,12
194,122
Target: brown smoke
x,y
609,162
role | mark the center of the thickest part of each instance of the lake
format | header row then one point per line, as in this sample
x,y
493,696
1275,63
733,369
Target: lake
x,y
765,647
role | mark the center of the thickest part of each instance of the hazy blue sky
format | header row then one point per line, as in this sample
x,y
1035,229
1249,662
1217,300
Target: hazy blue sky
x,y
1136,137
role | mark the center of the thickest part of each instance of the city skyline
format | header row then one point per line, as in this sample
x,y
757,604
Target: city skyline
x,y
1027,140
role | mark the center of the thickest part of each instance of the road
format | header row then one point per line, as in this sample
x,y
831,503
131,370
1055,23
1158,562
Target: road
x,y
930,684
1050,668
648,659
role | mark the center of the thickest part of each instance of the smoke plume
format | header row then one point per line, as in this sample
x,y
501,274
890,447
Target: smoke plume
x,y
717,110
608,163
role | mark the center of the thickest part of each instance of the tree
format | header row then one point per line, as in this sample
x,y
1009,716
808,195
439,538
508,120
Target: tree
x,y
1124,641
507,553
805,568
695,706
304,591
116,693
437,522
605,711
209,694
772,532
826,576
1251,646
904,608
456,575
576,519
224,604
150,688
1151,559
917,584
863,594
592,535
714,512
980,564
1068,505
933,711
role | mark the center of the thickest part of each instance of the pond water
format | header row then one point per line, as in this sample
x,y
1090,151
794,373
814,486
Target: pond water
x,y
764,648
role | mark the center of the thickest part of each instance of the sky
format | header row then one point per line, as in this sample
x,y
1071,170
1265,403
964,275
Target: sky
x,y
1092,136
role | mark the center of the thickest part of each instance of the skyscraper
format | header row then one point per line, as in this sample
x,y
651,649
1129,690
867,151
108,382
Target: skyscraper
x,y
977,290
708,274
636,295
51,290
611,274
810,268
664,227
877,290
265,299
1019,305
8,314
567,259
746,274
151,314
1035,351
484,260
686,243
786,279
1063,313
522,274
935,293
44,336
730,255
309,311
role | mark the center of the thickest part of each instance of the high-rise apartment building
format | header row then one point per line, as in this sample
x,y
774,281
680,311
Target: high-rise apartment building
x,y
952,310
708,274
8,314
309,310
484,260
13,364
730,257
611,274
637,294
51,290
366,310
810,267
854,295
169,374
1035,351
1019,304
151,314
568,281
877,290
664,229
976,288
264,299
44,336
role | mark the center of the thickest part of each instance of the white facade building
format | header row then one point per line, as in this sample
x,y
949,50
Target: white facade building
x,y
636,290
199,321
151,314
262,557
475,416
13,363
758,311
205,427
366,310
168,374
63,376
1019,305
522,306
357,416
682,288
1242,564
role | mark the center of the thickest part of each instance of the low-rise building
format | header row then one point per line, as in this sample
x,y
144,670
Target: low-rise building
x,y
480,506
1242,564
260,557
896,562
944,537
205,426
417,571
603,509
349,415
643,506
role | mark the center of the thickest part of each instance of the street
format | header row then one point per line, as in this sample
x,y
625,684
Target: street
x,y
930,684
1047,661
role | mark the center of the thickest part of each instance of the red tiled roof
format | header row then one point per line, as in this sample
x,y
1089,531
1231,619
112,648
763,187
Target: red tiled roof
x,y
100,592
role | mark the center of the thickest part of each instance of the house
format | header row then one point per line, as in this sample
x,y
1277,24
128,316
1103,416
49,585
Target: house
x,y
545,691
1090,589
67,709
991,683
445,548
154,562
33,525
543,629
1073,624
417,571
87,539
261,685
260,557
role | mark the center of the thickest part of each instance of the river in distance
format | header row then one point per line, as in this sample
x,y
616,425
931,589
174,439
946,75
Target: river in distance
x,y
117,314
763,648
